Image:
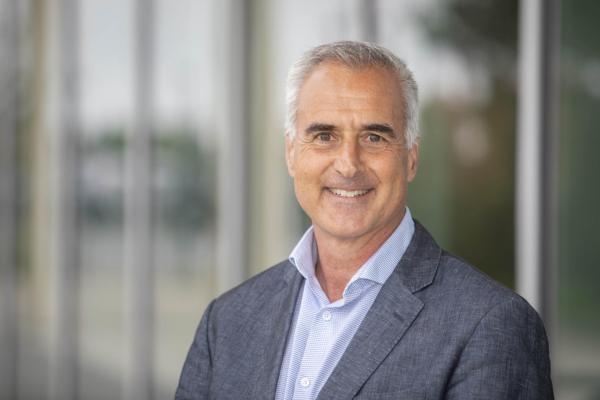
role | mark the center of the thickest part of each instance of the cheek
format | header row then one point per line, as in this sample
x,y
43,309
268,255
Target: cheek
x,y
392,181
307,182
310,168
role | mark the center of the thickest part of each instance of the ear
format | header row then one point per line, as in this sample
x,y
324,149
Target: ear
x,y
412,162
289,154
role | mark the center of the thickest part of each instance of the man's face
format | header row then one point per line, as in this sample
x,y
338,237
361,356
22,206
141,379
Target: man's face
x,y
348,159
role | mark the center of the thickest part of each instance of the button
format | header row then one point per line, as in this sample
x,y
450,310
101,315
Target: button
x,y
305,382
326,315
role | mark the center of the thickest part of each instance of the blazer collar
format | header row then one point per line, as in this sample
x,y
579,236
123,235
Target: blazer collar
x,y
419,264
391,315
271,330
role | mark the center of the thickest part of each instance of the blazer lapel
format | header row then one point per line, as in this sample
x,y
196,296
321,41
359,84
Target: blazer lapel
x,y
387,321
269,335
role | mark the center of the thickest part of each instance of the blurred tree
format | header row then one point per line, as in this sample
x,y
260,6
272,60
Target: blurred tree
x,y
184,180
479,132
579,188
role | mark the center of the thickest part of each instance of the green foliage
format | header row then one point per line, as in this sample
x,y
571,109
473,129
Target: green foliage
x,y
471,205
186,195
485,32
578,187
183,174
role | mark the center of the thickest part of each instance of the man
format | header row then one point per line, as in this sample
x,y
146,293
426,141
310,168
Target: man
x,y
367,306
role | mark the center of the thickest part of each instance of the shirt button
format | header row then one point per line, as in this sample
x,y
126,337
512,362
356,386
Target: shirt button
x,y
326,315
305,382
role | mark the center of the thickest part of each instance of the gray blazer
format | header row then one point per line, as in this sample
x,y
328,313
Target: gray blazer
x,y
439,329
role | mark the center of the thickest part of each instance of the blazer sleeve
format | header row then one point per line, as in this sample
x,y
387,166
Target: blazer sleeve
x,y
506,357
194,382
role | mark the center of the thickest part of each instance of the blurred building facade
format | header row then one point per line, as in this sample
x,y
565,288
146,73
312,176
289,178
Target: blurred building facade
x,y
142,169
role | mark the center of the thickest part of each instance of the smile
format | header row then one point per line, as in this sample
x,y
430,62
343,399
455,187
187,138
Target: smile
x,y
348,193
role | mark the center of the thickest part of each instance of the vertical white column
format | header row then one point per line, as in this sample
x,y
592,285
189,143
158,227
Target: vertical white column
x,y
9,100
529,139
539,47
139,262
233,132
64,372
528,177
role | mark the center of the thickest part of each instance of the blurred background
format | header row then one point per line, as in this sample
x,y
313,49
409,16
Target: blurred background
x,y
142,169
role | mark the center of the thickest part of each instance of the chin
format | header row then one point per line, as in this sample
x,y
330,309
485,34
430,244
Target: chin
x,y
345,230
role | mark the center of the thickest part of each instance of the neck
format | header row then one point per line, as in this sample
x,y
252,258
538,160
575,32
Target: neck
x,y
339,259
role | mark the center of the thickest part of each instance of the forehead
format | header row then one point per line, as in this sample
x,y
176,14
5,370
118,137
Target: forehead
x,y
370,92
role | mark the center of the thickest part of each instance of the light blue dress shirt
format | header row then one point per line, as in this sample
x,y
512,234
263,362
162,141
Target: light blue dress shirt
x,y
322,330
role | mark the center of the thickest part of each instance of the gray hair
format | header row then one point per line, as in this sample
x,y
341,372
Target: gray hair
x,y
354,55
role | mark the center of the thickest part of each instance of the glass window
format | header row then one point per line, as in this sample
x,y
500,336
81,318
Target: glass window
x,y
463,54
106,107
185,187
577,341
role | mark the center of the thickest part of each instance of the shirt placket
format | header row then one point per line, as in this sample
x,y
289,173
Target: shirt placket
x,y
318,345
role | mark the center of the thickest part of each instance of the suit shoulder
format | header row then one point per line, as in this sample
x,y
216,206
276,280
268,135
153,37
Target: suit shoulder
x,y
263,284
473,288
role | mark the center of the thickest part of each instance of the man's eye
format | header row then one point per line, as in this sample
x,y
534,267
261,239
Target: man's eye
x,y
324,137
373,138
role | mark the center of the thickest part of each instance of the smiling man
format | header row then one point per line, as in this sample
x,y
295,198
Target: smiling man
x,y
367,305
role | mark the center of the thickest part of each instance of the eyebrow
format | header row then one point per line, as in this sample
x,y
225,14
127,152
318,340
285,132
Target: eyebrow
x,y
322,127
381,128
319,127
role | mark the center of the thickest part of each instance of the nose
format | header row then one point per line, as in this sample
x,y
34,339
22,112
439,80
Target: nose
x,y
347,161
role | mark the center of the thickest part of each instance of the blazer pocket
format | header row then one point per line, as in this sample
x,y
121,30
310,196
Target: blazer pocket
x,y
401,395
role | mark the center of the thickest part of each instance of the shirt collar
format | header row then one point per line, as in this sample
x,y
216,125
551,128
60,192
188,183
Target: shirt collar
x,y
304,256
377,268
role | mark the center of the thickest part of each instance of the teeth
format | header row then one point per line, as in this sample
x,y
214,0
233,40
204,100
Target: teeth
x,y
348,193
